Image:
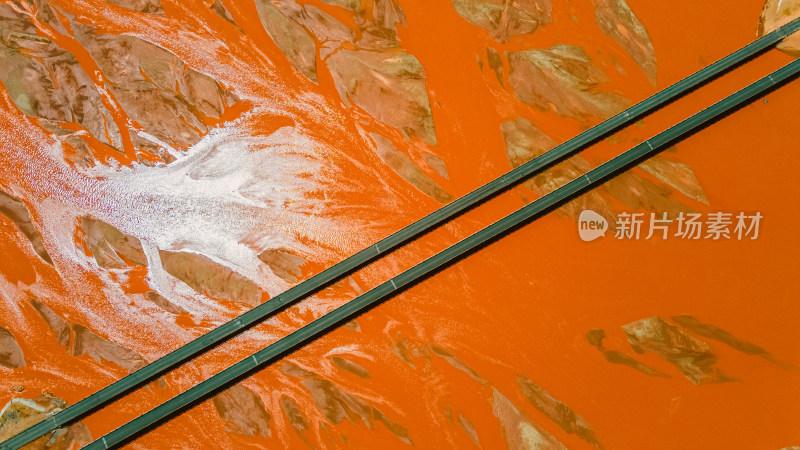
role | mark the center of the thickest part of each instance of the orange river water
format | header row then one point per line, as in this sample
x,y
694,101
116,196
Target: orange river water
x,y
519,307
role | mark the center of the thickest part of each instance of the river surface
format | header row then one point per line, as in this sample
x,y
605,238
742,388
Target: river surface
x,y
306,161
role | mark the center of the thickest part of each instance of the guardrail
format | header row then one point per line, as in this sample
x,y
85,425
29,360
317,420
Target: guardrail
x,y
407,234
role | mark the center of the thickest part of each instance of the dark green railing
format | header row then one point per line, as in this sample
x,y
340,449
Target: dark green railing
x,y
433,220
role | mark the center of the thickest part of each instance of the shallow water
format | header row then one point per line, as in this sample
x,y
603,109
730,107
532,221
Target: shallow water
x,y
292,166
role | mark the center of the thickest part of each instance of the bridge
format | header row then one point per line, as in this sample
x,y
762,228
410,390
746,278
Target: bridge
x,y
451,255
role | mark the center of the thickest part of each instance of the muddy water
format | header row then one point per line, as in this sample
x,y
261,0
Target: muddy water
x,y
452,362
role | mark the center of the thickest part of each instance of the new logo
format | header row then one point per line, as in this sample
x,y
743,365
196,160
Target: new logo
x,y
591,225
